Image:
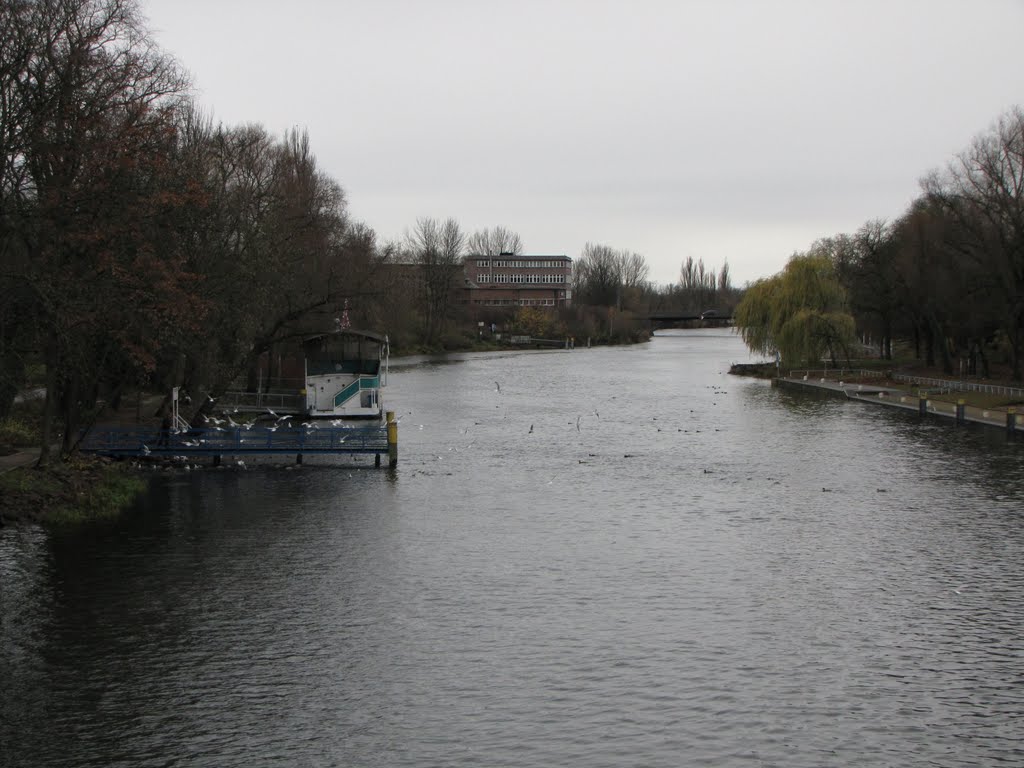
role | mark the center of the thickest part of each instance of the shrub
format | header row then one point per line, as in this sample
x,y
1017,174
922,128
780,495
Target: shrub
x,y
16,431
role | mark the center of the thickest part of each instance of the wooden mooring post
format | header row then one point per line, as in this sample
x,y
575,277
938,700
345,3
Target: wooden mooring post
x,y
1011,420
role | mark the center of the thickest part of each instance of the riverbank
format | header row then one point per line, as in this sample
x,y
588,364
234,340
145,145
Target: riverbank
x,y
961,407
990,403
544,549
80,490
504,344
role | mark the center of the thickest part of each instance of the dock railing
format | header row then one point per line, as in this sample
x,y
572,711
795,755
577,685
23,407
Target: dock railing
x,y
240,441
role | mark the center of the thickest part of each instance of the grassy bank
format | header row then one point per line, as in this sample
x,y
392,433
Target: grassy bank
x,y
76,492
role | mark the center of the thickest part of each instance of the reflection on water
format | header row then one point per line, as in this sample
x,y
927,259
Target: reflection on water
x,y
598,557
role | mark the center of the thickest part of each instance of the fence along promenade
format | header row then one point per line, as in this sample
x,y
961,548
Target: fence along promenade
x,y
832,380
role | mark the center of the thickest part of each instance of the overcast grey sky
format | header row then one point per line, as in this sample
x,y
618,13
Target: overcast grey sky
x,y
717,130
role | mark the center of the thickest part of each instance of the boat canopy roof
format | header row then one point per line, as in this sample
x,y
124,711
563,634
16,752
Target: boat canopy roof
x,y
348,351
380,338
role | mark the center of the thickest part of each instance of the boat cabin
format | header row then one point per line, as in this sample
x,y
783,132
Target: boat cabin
x,y
345,371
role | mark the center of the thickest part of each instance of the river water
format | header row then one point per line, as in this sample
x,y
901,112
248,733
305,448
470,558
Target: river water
x,y
605,557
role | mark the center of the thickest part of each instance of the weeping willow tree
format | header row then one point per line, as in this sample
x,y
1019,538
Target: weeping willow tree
x,y
800,314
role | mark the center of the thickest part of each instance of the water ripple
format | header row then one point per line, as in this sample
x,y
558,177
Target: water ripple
x,y
706,572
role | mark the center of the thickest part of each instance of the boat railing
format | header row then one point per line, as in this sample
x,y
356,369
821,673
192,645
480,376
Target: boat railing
x,y
258,401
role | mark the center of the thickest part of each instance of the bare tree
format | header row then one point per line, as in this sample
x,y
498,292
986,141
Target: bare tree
x,y
724,279
982,191
88,104
493,241
933,281
437,247
865,263
698,285
275,246
597,277
608,277
633,269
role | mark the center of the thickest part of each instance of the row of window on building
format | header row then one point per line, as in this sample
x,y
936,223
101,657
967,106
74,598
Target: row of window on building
x,y
515,302
532,263
551,279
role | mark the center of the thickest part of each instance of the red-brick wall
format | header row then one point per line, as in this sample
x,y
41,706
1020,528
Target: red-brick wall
x,y
516,280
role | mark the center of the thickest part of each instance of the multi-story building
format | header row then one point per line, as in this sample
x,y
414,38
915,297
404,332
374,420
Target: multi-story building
x,y
517,280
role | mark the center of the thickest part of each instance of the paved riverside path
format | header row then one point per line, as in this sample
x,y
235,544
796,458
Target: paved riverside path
x,y
898,398
18,459
134,411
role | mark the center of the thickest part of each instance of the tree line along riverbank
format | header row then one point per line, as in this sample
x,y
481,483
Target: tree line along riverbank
x,y
82,489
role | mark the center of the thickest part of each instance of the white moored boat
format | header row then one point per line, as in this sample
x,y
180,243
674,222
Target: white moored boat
x,y
345,372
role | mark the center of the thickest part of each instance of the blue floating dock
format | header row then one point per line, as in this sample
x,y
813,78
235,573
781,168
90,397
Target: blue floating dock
x,y
236,441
